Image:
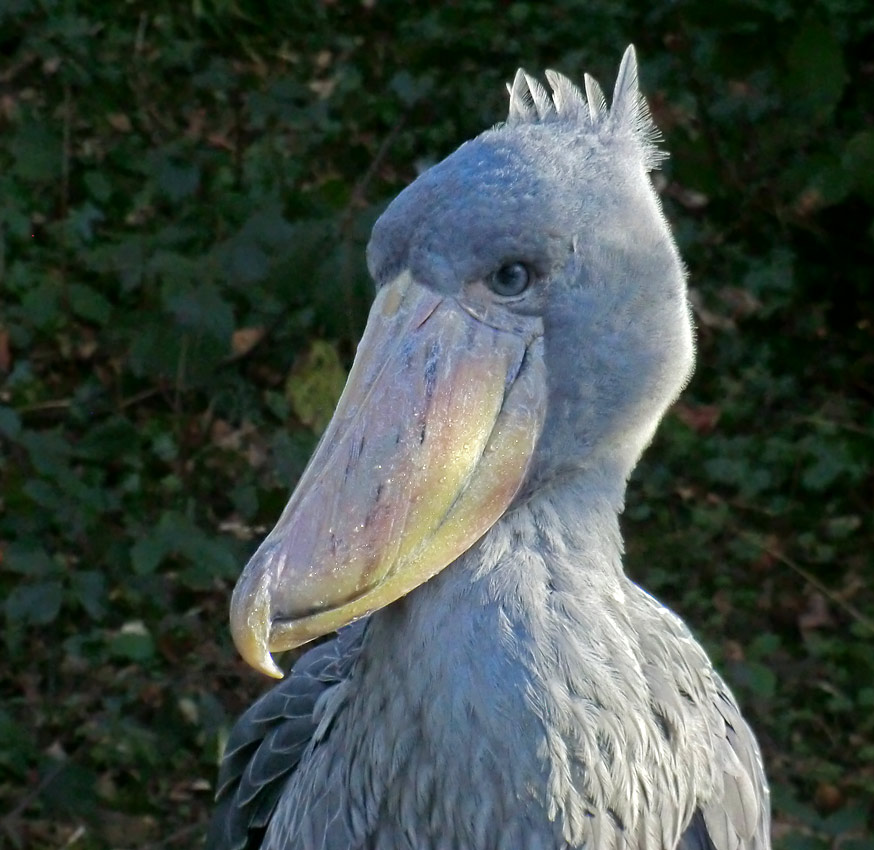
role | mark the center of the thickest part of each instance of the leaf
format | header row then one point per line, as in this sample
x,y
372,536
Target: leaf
x,y
89,590
243,340
408,88
803,841
128,259
177,536
155,349
35,604
98,186
758,678
111,439
858,161
701,418
289,452
37,153
119,121
89,304
48,450
315,385
202,307
847,820
816,75
81,221
173,177
248,262
10,422
270,227
209,559
162,350
147,553
28,559
132,642
17,744
40,304
831,461
70,789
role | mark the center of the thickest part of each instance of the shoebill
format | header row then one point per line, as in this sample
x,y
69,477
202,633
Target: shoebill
x,y
497,682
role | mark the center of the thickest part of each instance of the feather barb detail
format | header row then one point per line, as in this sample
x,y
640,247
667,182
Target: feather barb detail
x,y
628,117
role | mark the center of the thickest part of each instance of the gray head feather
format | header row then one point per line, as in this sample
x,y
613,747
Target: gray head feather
x,y
627,120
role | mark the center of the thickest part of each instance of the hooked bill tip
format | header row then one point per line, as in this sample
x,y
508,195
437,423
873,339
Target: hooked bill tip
x,y
264,663
251,625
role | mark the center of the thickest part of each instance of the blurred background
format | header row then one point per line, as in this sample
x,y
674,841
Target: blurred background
x,y
186,190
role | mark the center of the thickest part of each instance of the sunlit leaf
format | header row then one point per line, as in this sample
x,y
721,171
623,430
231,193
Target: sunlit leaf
x,y
132,642
315,384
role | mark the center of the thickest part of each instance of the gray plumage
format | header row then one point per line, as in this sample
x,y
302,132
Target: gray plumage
x,y
529,696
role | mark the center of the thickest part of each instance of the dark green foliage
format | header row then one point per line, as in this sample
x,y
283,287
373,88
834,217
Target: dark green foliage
x,y
186,190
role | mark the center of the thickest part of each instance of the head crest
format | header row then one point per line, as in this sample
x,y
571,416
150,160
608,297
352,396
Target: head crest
x,y
628,117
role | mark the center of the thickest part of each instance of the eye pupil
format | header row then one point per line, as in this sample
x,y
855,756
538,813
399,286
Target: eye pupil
x,y
512,279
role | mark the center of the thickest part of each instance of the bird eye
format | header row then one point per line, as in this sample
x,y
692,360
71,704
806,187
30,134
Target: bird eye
x,y
512,279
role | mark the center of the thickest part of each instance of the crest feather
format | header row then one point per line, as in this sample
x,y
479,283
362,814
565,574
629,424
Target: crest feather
x,y
628,117
596,99
521,103
542,101
630,113
569,102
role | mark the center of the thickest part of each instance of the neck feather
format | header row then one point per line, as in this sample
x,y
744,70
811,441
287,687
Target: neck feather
x,y
554,669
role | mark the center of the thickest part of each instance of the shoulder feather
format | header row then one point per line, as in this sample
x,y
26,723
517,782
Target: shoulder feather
x,y
267,742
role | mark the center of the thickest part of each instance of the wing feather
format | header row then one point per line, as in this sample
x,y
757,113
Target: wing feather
x,y
739,818
696,836
267,742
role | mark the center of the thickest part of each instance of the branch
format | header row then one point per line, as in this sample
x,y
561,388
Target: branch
x,y
812,580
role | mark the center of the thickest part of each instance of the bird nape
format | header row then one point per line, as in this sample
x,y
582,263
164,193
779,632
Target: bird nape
x,y
497,681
